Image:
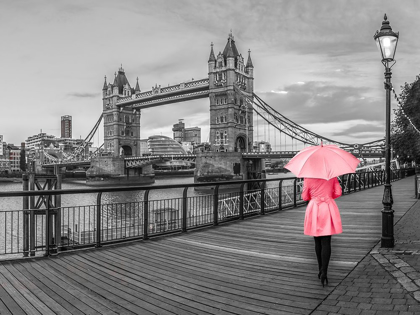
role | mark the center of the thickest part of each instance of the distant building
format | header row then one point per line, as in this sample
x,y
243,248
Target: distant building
x,y
144,149
4,166
182,134
160,145
66,127
55,146
35,140
13,153
261,146
1,146
188,147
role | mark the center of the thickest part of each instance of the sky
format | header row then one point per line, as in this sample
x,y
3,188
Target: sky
x,y
315,61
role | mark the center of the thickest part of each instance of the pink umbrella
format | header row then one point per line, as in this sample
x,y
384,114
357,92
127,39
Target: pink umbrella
x,y
322,161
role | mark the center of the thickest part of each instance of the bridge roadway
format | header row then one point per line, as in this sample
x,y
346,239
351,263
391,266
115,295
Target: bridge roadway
x,y
136,161
262,265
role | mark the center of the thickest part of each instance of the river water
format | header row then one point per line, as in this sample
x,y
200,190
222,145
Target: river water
x,y
15,203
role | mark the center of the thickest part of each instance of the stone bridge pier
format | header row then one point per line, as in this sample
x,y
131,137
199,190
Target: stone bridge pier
x,y
227,166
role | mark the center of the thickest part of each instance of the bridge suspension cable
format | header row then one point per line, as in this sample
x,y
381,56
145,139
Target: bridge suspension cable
x,y
77,151
293,130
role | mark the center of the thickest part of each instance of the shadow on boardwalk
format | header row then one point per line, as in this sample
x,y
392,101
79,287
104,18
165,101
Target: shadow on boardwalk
x,y
263,265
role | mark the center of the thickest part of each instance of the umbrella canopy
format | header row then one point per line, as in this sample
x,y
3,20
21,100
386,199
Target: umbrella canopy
x,y
322,161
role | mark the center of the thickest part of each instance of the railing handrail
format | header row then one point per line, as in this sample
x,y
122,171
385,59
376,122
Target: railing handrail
x,y
132,188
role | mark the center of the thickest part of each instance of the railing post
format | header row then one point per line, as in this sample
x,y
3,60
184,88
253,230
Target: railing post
x,y
348,183
342,183
47,228
32,216
364,181
184,209
98,219
58,211
354,182
146,215
416,194
241,201
280,194
216,206
25,181
295,193
263,198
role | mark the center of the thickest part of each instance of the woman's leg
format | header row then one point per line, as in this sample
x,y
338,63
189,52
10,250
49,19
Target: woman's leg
x,y
318,251
325,252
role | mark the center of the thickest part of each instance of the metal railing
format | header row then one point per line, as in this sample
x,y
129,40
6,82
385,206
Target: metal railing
x,y
50,230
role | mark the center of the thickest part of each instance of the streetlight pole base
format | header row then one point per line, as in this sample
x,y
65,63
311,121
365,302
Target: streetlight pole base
x,y
387,242
387,239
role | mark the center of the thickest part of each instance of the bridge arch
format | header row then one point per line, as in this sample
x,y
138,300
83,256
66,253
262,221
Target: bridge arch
x,y
240,143
126,150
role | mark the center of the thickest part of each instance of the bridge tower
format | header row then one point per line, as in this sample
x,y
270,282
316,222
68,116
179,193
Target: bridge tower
x,y
231,114
121,126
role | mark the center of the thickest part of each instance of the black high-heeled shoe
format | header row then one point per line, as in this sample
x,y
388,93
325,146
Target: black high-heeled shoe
x,y
324,279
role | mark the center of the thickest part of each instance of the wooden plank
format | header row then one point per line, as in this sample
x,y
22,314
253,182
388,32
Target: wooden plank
x,y
50,288
40,298
84,299
167,286
88,292
140,284
187,280
19,298
7,302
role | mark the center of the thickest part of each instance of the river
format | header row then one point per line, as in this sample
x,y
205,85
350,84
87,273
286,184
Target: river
x,y
120,197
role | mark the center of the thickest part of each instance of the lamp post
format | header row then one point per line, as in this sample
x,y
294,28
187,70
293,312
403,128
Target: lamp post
x,y
386,41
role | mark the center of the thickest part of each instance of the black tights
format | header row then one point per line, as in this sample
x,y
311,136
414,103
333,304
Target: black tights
x,y
323,252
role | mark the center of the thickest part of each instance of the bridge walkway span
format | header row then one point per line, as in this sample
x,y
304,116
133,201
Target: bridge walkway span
x,y
262,265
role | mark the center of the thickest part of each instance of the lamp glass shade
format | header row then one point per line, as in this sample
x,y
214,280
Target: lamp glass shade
x,y
387,45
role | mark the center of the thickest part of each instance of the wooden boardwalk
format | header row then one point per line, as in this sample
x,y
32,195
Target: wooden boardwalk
x,y
262,265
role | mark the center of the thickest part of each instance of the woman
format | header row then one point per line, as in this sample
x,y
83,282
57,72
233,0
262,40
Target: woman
x,y
322,218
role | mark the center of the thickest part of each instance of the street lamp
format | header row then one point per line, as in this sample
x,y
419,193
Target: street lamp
x,y
386,41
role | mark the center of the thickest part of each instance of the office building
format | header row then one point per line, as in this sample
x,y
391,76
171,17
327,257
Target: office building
x,y
66,127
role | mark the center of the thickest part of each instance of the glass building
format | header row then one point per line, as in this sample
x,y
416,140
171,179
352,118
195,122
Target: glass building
x,y
159,145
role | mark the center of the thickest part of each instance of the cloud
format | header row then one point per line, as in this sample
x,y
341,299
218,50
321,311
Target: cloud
x,y
369,130
323,102
84,95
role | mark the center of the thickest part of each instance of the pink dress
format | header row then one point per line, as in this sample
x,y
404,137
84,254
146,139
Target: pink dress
x,y
322,216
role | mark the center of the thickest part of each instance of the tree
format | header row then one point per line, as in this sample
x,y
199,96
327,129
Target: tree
x,y
405,135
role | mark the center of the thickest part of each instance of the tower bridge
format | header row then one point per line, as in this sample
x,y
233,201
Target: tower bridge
x,y
229,86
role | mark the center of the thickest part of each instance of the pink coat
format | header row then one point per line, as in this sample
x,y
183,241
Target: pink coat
x,y
322,216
